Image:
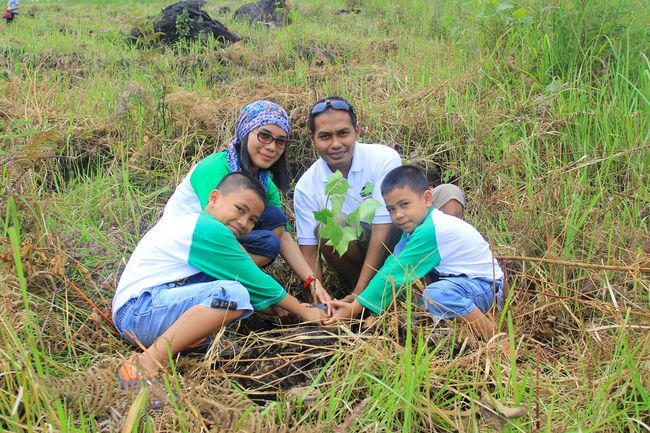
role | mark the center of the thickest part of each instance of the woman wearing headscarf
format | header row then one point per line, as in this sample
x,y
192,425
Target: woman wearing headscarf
x,y
262,134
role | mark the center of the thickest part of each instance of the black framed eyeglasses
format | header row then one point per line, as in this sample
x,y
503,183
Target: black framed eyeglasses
x,y
335,104
267,138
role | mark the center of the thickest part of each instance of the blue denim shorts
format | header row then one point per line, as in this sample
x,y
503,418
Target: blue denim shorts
x,y
262,241
458,296
149,315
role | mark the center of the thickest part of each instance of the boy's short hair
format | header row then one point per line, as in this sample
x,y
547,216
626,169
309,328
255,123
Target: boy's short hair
x,y
238,181
326,104
405,175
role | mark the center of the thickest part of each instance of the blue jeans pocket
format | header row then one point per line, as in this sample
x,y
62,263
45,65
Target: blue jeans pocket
x,y
143,306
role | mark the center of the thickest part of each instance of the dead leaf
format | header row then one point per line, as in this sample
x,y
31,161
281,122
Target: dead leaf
x,y
495,414
57,264
308,397
369,322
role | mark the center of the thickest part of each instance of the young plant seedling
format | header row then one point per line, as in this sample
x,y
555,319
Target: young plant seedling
x,y
339,237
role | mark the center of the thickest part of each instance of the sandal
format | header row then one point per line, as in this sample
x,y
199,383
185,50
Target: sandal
x,y
131,374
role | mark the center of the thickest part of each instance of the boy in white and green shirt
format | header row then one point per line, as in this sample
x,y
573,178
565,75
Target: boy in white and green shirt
x,y
468,278
188,277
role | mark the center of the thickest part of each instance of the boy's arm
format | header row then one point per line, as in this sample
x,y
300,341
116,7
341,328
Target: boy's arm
x,y
418,257
306,314
216,252
381,225
374,256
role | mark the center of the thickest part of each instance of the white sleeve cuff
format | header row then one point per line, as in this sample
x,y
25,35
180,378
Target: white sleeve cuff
x,y
307,241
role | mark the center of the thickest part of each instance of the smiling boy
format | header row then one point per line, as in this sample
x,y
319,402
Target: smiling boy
x,y
469,279
188,277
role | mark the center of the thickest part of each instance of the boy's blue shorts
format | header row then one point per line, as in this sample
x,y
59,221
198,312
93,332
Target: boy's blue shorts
x,y
149,315
458,296
262,241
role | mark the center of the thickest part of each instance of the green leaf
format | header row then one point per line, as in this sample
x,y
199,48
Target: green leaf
x,y
367,210
333,233
337,204
347,234
355,217
323,215
336,184
519,14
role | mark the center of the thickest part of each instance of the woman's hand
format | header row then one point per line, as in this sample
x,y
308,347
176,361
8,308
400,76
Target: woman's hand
x,y
320,296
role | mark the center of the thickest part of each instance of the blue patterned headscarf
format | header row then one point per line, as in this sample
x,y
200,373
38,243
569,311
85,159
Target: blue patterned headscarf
x,y
254,115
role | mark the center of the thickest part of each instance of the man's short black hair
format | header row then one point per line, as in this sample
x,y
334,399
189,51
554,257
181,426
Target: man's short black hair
x,y
238,181
405,175
311,122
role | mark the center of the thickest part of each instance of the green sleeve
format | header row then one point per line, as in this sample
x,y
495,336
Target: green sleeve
x,y
207,175
216,252
209,172
419,256
273,195
273,198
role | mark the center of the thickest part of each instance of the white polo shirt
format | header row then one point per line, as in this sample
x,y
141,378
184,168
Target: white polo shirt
x,y
370,163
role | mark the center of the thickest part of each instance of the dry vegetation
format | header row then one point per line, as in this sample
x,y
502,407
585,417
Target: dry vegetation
x,y
544,123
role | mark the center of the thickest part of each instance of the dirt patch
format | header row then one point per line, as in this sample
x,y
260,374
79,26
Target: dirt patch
x,y
278,360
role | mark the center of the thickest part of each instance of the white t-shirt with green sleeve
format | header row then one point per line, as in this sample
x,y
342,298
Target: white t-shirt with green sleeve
x,y
193,193
450,245
370,164
176,248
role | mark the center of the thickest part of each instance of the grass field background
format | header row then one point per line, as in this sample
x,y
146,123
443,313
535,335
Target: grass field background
x,y
539,110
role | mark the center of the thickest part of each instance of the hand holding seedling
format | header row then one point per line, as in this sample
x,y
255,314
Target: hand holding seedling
x,y
320,295
344,311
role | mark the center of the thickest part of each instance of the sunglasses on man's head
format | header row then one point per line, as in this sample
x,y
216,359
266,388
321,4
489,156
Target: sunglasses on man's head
x,y
335,104
267,138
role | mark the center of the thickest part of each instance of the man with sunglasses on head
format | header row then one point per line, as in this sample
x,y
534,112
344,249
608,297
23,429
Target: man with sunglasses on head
x,y
334,132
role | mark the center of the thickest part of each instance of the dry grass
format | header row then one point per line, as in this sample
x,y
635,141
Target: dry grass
x,y
95,136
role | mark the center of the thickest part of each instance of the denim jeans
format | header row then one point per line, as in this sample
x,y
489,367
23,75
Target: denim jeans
x,y
458,296
149,315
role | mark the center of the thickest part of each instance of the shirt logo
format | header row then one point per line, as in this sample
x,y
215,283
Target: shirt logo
x,y
366,191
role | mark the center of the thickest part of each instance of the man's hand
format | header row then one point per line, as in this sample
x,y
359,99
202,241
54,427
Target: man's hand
x,y
320,296
344,311
350,298
313,315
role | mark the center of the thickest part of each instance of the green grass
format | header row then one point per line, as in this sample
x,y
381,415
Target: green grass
x,y
541,112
